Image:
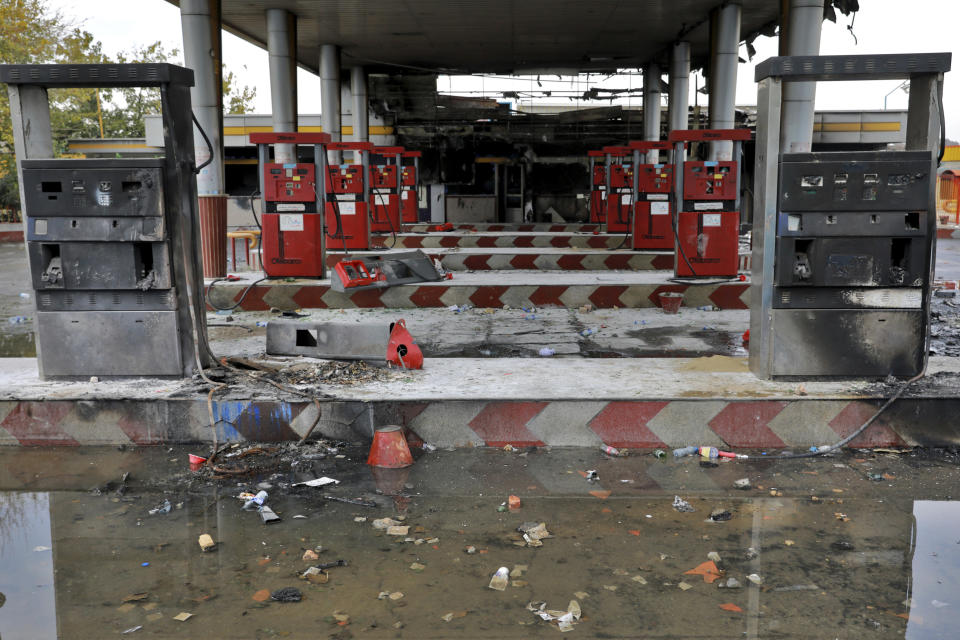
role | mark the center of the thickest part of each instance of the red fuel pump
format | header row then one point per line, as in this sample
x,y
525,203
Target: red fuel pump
x,y
708,222
653,214
598,187
348,195
619,174
292,236
410,187
385,189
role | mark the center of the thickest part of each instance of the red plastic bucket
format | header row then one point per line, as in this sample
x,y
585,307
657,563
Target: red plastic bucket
x,y
670,301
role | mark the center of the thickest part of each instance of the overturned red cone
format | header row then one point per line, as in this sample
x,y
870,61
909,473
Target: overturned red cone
x,y
389,449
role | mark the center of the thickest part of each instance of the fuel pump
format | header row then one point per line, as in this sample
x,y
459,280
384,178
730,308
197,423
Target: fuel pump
x,y
598,187
652,226
292,237
385,189
707,226
348,196
410,186
619,174
844,241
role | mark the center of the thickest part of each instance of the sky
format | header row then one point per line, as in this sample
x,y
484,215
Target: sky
x,y
881,26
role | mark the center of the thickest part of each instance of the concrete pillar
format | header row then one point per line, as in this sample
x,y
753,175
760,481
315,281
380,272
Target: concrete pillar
x,y
282,49
803,39
725,27
200,22
361,113
651,107
330,95
679,86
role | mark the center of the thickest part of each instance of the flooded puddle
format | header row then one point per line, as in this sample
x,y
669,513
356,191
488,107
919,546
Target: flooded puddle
x,y
859,546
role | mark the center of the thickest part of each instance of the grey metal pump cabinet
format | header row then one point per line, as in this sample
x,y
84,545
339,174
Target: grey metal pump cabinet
x,y
113,245
844,241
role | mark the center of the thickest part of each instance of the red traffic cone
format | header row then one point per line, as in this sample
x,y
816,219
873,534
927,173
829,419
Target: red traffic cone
x,y
401,349
389,449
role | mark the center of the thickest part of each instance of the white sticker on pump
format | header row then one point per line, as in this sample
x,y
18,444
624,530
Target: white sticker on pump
x,y
659,208
657,196
711,219
291,222
291,206
707,206
404,195
626,199
348,208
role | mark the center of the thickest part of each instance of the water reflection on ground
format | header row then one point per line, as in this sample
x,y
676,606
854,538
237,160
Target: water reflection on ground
x,y
859,546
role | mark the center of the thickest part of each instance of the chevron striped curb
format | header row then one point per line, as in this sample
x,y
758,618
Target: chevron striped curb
x,y
555,261
504,240
11,232
547,227
736,424
289,296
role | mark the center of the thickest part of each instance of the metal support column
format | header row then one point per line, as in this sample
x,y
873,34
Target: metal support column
x,y
200,22
651,107
725,27
802,39
282,49
330,96
361,113
679,87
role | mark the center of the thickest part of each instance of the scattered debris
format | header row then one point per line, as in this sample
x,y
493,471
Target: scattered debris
x,y
398,530
682,505
447,617
316,482
315,575
564,619
183,616
720,515
499,580
309,555
262,595
742,484
131,629
683,586
385,523
842,545
707,569
163,508
547,352
714,556
287,594
755,579
513,502
135,597
639,579
533,533
206,542
610,451
416,566
731,583
592,475
470,550
729,606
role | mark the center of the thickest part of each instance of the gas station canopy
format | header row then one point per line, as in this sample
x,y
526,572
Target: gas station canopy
x,y
493,36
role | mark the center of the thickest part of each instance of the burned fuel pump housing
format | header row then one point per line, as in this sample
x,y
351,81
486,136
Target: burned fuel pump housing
x,y
852,260
101,265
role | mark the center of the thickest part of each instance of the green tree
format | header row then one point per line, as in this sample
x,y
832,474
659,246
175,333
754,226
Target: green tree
x,y
33,33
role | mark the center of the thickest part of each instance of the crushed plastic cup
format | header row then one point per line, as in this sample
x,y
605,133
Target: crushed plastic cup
x,y
196,462
500,579
546,352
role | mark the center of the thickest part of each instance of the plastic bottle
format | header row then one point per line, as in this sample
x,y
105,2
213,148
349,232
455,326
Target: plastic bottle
x,y
709,452
685,451
610,451
499,580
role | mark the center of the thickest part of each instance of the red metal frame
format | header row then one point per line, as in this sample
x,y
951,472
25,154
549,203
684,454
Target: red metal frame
x,y
708,231
652,226
620,183
410,187
347,222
